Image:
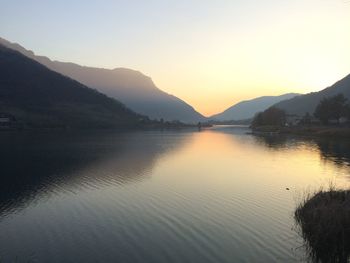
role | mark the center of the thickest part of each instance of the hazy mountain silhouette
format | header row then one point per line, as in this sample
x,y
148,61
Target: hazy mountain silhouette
x,y
40,97
135,90
247,109
308,102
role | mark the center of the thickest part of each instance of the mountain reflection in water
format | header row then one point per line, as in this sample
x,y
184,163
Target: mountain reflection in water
x,y
38,164
218,195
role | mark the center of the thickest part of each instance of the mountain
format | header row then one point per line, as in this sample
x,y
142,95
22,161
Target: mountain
x,y
247,109
39,97
308,102
135,90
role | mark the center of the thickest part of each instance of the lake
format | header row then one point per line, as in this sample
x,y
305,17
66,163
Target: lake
x,y
216,195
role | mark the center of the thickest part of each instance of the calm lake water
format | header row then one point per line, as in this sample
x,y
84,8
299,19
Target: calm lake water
x,y
218,195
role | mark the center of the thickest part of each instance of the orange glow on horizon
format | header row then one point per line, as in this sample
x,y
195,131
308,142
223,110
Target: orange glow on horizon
x,y
211,54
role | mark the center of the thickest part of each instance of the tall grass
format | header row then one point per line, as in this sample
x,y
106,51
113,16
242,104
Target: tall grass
x,y
324,221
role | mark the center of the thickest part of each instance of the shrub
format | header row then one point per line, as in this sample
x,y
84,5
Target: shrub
x,y
324,221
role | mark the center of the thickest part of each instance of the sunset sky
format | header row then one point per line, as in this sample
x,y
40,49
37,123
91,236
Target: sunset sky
x,y
209,53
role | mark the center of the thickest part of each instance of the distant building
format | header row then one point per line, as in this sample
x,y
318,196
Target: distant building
x,y
6,120
341,120
293,120
315,121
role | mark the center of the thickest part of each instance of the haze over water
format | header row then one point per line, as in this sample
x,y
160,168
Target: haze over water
x,y
218,195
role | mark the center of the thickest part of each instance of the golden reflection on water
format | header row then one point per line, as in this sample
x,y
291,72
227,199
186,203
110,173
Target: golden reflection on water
x,y
218,195
249,161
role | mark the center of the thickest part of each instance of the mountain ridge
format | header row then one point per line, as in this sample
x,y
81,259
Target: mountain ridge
x,y
41,98
307,103
246,109
136,90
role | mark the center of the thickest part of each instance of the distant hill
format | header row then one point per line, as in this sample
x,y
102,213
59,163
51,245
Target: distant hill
x,y
247,109
39,97
308,102
132,88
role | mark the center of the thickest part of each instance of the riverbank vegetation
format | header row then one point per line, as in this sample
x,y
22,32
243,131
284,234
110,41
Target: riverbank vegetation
x,y
332,108
324,222
272,117
331,118
307,131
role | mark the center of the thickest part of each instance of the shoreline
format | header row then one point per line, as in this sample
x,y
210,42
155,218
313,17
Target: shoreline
x,y
310,131
166,126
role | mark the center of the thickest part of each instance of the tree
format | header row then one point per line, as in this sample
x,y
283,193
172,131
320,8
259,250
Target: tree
x,y
258,120
322,111
306,120
347,111
338,106
272,116
331,108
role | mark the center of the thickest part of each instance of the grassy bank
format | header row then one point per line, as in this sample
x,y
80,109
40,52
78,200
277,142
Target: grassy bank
x,y
324,221
320,131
